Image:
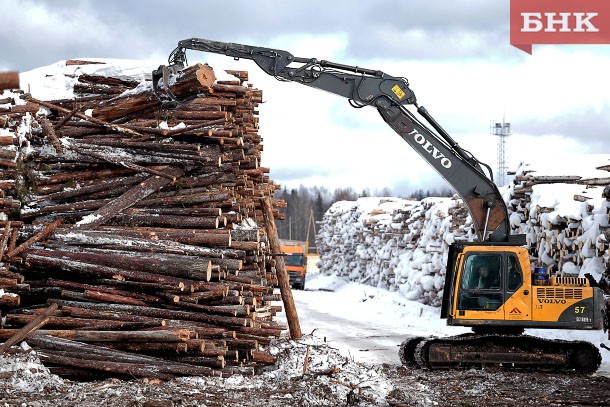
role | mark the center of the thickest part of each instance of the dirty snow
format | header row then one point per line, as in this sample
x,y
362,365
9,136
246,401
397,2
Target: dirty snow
x,y
369,323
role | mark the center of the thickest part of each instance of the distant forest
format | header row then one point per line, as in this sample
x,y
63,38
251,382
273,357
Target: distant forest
x,y
303,201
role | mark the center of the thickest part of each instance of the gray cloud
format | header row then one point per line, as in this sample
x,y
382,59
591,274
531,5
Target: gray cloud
x,y
287,174
432,30
584,123
42,32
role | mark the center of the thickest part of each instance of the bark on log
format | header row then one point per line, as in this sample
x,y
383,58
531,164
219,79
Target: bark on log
x,y
215,362
66,119
189,237
137,240
264,358
49,131
64,322
144,286
159,313
129,198
173,221
179,335
96,186
111,298
9,300
32,326
9,80
84,117
282,275
4,239
189,267
46,260
150,371
7,140
149,347
86,175
120,162
46,232
79,312
67,345
195,79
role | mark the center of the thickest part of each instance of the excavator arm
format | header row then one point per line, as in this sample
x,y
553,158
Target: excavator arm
x,y
390,96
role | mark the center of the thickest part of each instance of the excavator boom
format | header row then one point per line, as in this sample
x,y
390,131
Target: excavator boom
x,y
390,95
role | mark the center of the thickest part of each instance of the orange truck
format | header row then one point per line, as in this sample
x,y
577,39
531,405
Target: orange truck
x,y
296,261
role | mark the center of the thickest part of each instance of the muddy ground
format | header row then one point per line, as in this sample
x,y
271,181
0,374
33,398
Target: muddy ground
x,y
330,379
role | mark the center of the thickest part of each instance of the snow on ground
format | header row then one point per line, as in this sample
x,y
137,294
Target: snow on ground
x,y
30,375
328,378
368,324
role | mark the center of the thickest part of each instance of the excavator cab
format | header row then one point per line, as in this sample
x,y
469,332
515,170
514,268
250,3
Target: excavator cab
x,y
491,286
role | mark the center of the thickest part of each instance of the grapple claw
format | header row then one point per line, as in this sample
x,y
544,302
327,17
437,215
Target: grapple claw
x,y
163,93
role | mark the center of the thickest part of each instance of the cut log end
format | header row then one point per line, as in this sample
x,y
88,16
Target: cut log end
x,y
205,76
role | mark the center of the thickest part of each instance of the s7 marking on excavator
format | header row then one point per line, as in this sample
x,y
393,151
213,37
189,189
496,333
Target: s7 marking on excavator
x,y
490,285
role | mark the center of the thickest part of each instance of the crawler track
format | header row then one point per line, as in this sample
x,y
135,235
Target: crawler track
x,y
509,351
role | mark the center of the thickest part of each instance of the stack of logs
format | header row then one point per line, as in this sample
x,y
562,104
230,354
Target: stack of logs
x,y
143,222
573,226
392,243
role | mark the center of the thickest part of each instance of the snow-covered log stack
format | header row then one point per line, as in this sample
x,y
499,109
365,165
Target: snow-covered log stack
x,y
142,221
393,243
562,207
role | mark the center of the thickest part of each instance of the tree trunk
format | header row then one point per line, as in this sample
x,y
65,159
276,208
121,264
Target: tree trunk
x,y
282,275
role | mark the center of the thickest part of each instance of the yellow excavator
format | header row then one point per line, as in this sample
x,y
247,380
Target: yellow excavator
x,y
490,285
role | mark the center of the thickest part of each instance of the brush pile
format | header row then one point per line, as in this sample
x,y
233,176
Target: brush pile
x,y
142,221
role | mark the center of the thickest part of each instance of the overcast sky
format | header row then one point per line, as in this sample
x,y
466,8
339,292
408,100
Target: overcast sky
x,y
456,55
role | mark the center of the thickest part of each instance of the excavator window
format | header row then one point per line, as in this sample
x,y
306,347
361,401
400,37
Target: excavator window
x,y
481,283
515,276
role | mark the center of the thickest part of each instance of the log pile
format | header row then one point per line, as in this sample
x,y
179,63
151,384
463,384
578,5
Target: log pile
x,y
402,245
143,222
564,215
391,243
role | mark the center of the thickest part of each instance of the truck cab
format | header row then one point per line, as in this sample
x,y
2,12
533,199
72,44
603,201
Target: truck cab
x,y
296,261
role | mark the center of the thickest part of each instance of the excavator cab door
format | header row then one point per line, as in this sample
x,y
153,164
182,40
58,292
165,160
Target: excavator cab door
x,y
518,305
490,287
480,285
